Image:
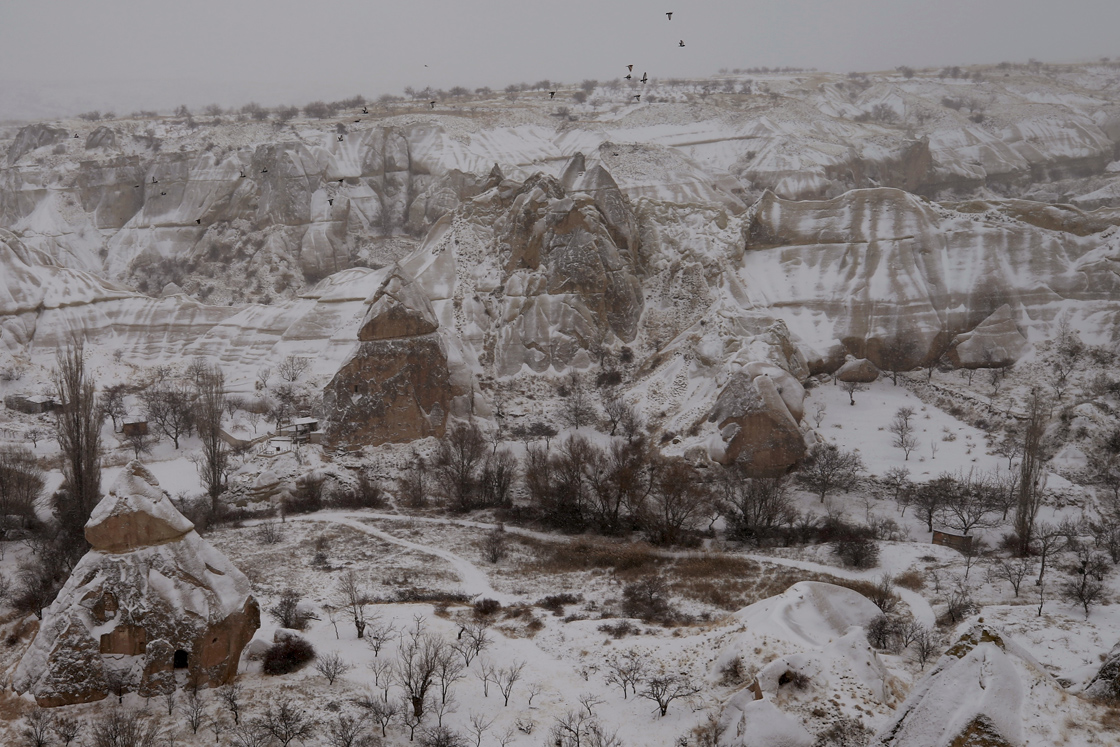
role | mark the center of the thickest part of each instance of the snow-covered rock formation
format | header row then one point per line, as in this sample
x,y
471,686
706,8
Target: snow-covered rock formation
x,y
150,599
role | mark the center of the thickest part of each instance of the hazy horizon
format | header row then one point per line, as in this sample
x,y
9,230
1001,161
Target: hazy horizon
x,y
68,56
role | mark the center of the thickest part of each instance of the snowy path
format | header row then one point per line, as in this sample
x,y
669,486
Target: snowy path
x,y
474,581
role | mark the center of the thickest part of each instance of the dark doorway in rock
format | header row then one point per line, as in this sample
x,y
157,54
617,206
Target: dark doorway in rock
x,y
181,658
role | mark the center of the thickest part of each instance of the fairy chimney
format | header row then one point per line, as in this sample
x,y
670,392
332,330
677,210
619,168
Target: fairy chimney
x,y
150,607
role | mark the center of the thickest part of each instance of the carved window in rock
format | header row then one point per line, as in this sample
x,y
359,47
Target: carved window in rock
x,y
181,659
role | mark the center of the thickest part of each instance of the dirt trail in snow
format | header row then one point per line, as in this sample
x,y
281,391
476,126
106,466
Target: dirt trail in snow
x,y
476,583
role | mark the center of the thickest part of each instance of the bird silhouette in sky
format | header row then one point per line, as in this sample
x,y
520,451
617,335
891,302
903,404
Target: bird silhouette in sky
x,y
242,173
644,78
629,76
264,171
365,110
630,68
75,134
340,138
432,104
198,221
340,181
330,202
552,94
154,180
638,96
356,121
669,15
163,193
681,43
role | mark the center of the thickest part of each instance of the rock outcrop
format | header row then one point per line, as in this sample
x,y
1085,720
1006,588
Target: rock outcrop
x,y
859,370
149,601
396,386
1106,682
757,415
994,343
985,690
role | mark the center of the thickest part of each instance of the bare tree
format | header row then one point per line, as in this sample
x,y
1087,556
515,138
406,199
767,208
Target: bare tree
x,y
381,709
214,466
576,407
67,729
1013,570
472,642
122,728
40,726
851,387
111,403
479,726
903,431
378,633
486,674
79,433
346,731
460,456
285,722
170,408
830,468
925,645
250,735
506,677
967,503
1031,473
21,482
754,508
449,670
230,697
293,367
1085,585
626,671
417,665
331,666
663,689
354,597
193,710
676,503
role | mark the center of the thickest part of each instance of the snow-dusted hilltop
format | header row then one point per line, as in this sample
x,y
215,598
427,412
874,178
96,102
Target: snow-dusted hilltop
x,y
720,241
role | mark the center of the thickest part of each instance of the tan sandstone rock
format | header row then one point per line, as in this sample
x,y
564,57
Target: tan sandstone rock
x,y
757,414
860,370
996,342
152,606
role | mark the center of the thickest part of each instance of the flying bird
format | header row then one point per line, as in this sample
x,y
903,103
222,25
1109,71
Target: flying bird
x,y
681,44
330,202
630,68
340,138
242,173
163,193
198,221
432,104
644,78
628,76
136,186
669,15
264,171
356,121
552,94
75,134
154,180
340,181
365,110
638,96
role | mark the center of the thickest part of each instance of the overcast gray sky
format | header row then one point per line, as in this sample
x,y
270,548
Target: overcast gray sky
x,y
128,54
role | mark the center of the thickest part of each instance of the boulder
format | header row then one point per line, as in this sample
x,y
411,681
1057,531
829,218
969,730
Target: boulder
x,y
1106,682
102,137
994,343
859,370
757,414
34,136
151,598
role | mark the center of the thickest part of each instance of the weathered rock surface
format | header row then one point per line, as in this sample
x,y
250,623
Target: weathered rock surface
x,y
994,343
858,370
757,415
151,597
398,308
1106,682
984,690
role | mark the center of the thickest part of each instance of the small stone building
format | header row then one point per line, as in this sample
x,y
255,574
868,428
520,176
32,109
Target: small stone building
x,y
37,404
150,607
949,538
